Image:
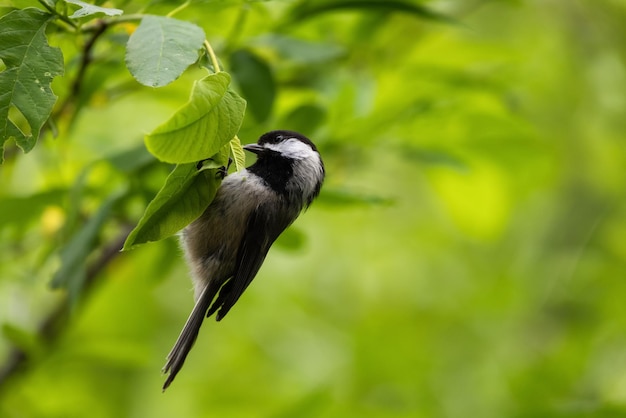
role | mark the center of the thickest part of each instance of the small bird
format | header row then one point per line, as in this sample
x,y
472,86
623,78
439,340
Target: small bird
x,y
225,247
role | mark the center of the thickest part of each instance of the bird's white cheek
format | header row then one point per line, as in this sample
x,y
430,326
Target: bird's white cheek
x,y
293,148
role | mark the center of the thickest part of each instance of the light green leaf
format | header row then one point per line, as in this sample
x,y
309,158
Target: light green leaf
x,y
185,195
161,49
205,124
222,157
236,150
31,64
87,9
256,82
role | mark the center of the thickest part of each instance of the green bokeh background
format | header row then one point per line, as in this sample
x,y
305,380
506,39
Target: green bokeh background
x,y
467,256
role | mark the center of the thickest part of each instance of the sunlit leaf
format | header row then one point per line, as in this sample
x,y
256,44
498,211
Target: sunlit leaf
x,y
31,64
161,49
205,124
239,156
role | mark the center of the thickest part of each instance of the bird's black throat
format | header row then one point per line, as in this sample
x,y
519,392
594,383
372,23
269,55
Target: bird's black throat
x,y
274,169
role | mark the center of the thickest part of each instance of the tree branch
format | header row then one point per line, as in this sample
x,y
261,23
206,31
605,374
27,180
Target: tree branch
x,y
56,321
98,28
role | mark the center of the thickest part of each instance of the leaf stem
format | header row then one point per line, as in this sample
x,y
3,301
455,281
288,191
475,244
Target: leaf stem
x,y
100,26
95,25
57,14
179,8
216,65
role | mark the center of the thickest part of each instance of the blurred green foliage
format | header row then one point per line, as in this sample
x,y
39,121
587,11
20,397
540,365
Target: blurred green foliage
x,y
466,257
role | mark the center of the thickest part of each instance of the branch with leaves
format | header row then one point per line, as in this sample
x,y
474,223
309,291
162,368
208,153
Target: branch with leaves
x,y
157,53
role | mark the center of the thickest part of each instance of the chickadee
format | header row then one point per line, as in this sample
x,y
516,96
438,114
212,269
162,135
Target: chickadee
x,y
227,244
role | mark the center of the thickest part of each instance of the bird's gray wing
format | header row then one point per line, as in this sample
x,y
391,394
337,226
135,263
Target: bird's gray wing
x,y
264,225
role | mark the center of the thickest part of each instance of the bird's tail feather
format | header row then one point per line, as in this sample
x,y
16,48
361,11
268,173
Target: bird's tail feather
x,y
188,335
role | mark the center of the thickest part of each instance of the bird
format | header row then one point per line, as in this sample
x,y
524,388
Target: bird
x,y
226,246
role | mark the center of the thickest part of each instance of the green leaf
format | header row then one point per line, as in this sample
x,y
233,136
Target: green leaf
x,y
185,195
221,158
87,9
131,160
256,81
205,124
340,197
306,10
161,49
31,64
239,156
305,118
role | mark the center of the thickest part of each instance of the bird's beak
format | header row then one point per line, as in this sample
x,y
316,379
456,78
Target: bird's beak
x,y
255,148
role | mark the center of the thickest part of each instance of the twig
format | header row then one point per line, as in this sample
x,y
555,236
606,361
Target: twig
x,y
100,26
58,15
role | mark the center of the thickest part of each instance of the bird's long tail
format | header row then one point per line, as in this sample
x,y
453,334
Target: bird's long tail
x,y
188,335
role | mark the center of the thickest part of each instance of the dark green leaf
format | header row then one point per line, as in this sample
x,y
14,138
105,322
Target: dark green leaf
x,y
185,195
199,129
131,160
256,81
305,118
299,50
31,64
306,10
87,9
161,49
